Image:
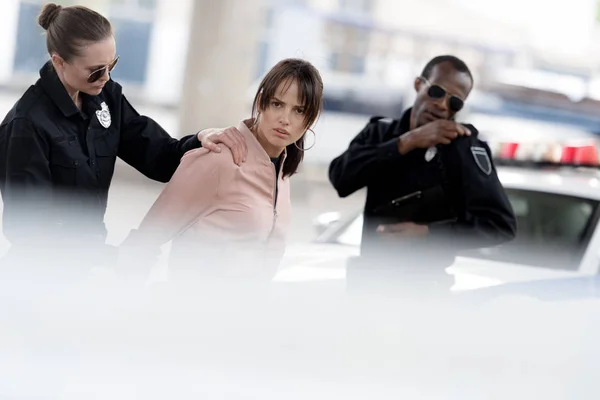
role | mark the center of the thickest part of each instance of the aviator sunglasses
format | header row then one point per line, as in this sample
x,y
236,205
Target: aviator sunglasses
x,y
99,73
437,92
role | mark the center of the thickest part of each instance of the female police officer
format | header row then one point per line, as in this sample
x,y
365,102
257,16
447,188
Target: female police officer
x,y
59,143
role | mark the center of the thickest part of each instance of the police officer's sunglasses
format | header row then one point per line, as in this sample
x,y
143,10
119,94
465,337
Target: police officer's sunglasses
x,y
99,73
437,92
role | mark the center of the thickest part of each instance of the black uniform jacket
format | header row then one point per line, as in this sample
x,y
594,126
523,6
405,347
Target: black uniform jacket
x,y
57,162
454,189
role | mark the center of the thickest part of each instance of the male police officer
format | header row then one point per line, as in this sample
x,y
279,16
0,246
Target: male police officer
x,y
432,188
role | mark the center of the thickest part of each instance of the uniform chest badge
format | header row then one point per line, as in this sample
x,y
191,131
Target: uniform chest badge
x,y
430,153
104,115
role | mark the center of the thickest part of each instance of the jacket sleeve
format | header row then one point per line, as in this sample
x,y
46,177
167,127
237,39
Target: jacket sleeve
x,y
27,185
485,215
147,147
191,193
356,167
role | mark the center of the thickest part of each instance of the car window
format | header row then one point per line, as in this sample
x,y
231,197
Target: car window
x,y
553,231
551,219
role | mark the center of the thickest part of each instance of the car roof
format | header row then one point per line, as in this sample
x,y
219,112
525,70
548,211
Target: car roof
x,y
577,182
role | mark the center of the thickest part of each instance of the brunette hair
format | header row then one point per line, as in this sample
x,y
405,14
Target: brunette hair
x,y
70,28
310,85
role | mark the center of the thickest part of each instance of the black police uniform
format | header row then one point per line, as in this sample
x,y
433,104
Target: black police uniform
x,y
454,189
57,163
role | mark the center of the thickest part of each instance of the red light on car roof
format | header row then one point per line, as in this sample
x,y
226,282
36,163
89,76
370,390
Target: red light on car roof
x,y
586,155
508,150
548,153
568,155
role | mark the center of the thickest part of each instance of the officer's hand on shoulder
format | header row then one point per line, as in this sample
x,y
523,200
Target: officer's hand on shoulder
x,y
230,137
436,132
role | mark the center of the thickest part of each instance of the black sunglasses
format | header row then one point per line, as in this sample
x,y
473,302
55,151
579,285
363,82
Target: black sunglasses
x,y
437,92
99,73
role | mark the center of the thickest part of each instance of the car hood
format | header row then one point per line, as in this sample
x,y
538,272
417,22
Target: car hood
x,y
315,262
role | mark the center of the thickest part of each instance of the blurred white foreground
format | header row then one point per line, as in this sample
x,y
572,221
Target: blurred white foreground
x,y
292,341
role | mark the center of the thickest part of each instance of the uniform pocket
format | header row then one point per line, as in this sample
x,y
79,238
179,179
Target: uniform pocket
x,y
107,145
64,168
106,149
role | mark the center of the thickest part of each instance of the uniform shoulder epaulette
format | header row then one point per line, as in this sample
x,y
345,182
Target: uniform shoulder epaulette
x,y
381,119
473,130
383,122
26,102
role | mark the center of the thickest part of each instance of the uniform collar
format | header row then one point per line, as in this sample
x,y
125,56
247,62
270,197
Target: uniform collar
x,y
56,90
404,125
91,103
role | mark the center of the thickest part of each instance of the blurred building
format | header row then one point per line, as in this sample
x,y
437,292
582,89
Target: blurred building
x,y
368,51
152,37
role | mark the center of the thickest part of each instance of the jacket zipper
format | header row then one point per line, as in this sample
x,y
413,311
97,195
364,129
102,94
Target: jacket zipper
x,y
274,203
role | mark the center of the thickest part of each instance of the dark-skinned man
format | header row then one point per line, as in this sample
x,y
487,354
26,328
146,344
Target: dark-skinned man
x,y
432,188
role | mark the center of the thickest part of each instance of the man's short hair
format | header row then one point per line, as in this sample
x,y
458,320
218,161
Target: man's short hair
x,y
456,63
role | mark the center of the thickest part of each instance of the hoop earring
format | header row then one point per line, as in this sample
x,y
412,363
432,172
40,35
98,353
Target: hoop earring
x,y
314,141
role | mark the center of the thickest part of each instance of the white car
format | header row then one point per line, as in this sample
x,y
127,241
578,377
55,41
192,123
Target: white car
x,y
557,212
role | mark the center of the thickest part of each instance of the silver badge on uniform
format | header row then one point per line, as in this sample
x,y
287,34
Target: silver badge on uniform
x,y
104,115
430,153
482,159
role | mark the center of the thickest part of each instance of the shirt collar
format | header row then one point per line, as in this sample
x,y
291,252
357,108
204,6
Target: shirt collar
x,y
404,125
56,90
91,103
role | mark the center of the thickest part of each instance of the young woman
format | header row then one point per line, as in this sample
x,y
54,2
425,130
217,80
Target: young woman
x,y
60,142
231,221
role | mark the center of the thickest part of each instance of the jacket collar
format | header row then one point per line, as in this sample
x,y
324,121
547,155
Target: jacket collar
x,y
254,147
56,90
404,125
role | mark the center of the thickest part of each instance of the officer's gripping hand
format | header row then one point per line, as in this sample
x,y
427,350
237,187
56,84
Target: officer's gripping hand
x,y
230,137
403,230
441,131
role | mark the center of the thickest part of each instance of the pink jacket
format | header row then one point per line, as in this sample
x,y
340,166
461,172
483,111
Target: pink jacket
x,y
222,217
